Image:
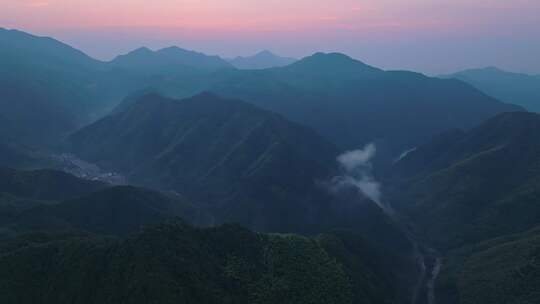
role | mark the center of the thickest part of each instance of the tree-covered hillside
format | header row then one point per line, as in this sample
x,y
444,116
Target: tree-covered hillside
x,y
467,187
175,263
501,270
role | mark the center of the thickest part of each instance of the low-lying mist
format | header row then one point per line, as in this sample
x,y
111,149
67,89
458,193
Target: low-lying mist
x,y
357,172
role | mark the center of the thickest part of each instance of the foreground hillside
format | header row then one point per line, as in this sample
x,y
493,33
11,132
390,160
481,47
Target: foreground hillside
x,y
474,196
76,241
54,201
502,270
175,263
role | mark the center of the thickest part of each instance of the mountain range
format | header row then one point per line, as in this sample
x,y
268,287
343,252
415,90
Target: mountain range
x,y
262,180
53,216
475,185
353,104
261,60
474,195
170,58
516,88
241,163
339,97
42,81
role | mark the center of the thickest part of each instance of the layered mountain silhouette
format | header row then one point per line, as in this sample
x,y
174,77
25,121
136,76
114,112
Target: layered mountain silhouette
x,y
515,88
456,164
345,100
49,89
40,91
31,113
20,48
239,164
245,164
262,60
352,103
168,59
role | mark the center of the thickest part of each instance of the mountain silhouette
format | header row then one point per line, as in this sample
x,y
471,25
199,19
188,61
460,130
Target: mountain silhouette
x,y
262,60
167,58
353,104
516,88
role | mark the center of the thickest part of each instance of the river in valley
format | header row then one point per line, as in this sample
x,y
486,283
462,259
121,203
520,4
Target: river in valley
x,y
427,259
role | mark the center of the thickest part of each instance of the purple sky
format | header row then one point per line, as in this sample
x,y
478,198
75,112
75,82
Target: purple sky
x,y
431,36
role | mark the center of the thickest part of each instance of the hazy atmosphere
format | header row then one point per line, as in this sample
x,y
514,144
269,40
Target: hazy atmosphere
x,y
431,36
269,152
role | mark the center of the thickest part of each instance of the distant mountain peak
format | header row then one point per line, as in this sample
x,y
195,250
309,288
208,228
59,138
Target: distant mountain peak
x,y
326,62
334,57
487,69
492,68
170,56
142,49
176,50
37,47
266,54
172,48
510,87
21,33
261,60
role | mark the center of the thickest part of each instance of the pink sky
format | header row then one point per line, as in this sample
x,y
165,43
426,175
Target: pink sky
x,y
427,35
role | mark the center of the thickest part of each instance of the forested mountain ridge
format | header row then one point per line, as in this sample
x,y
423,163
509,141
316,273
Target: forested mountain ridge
x,y
476,185
176,262
353,104
244,164
54,201
473,195
501,270
109,230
